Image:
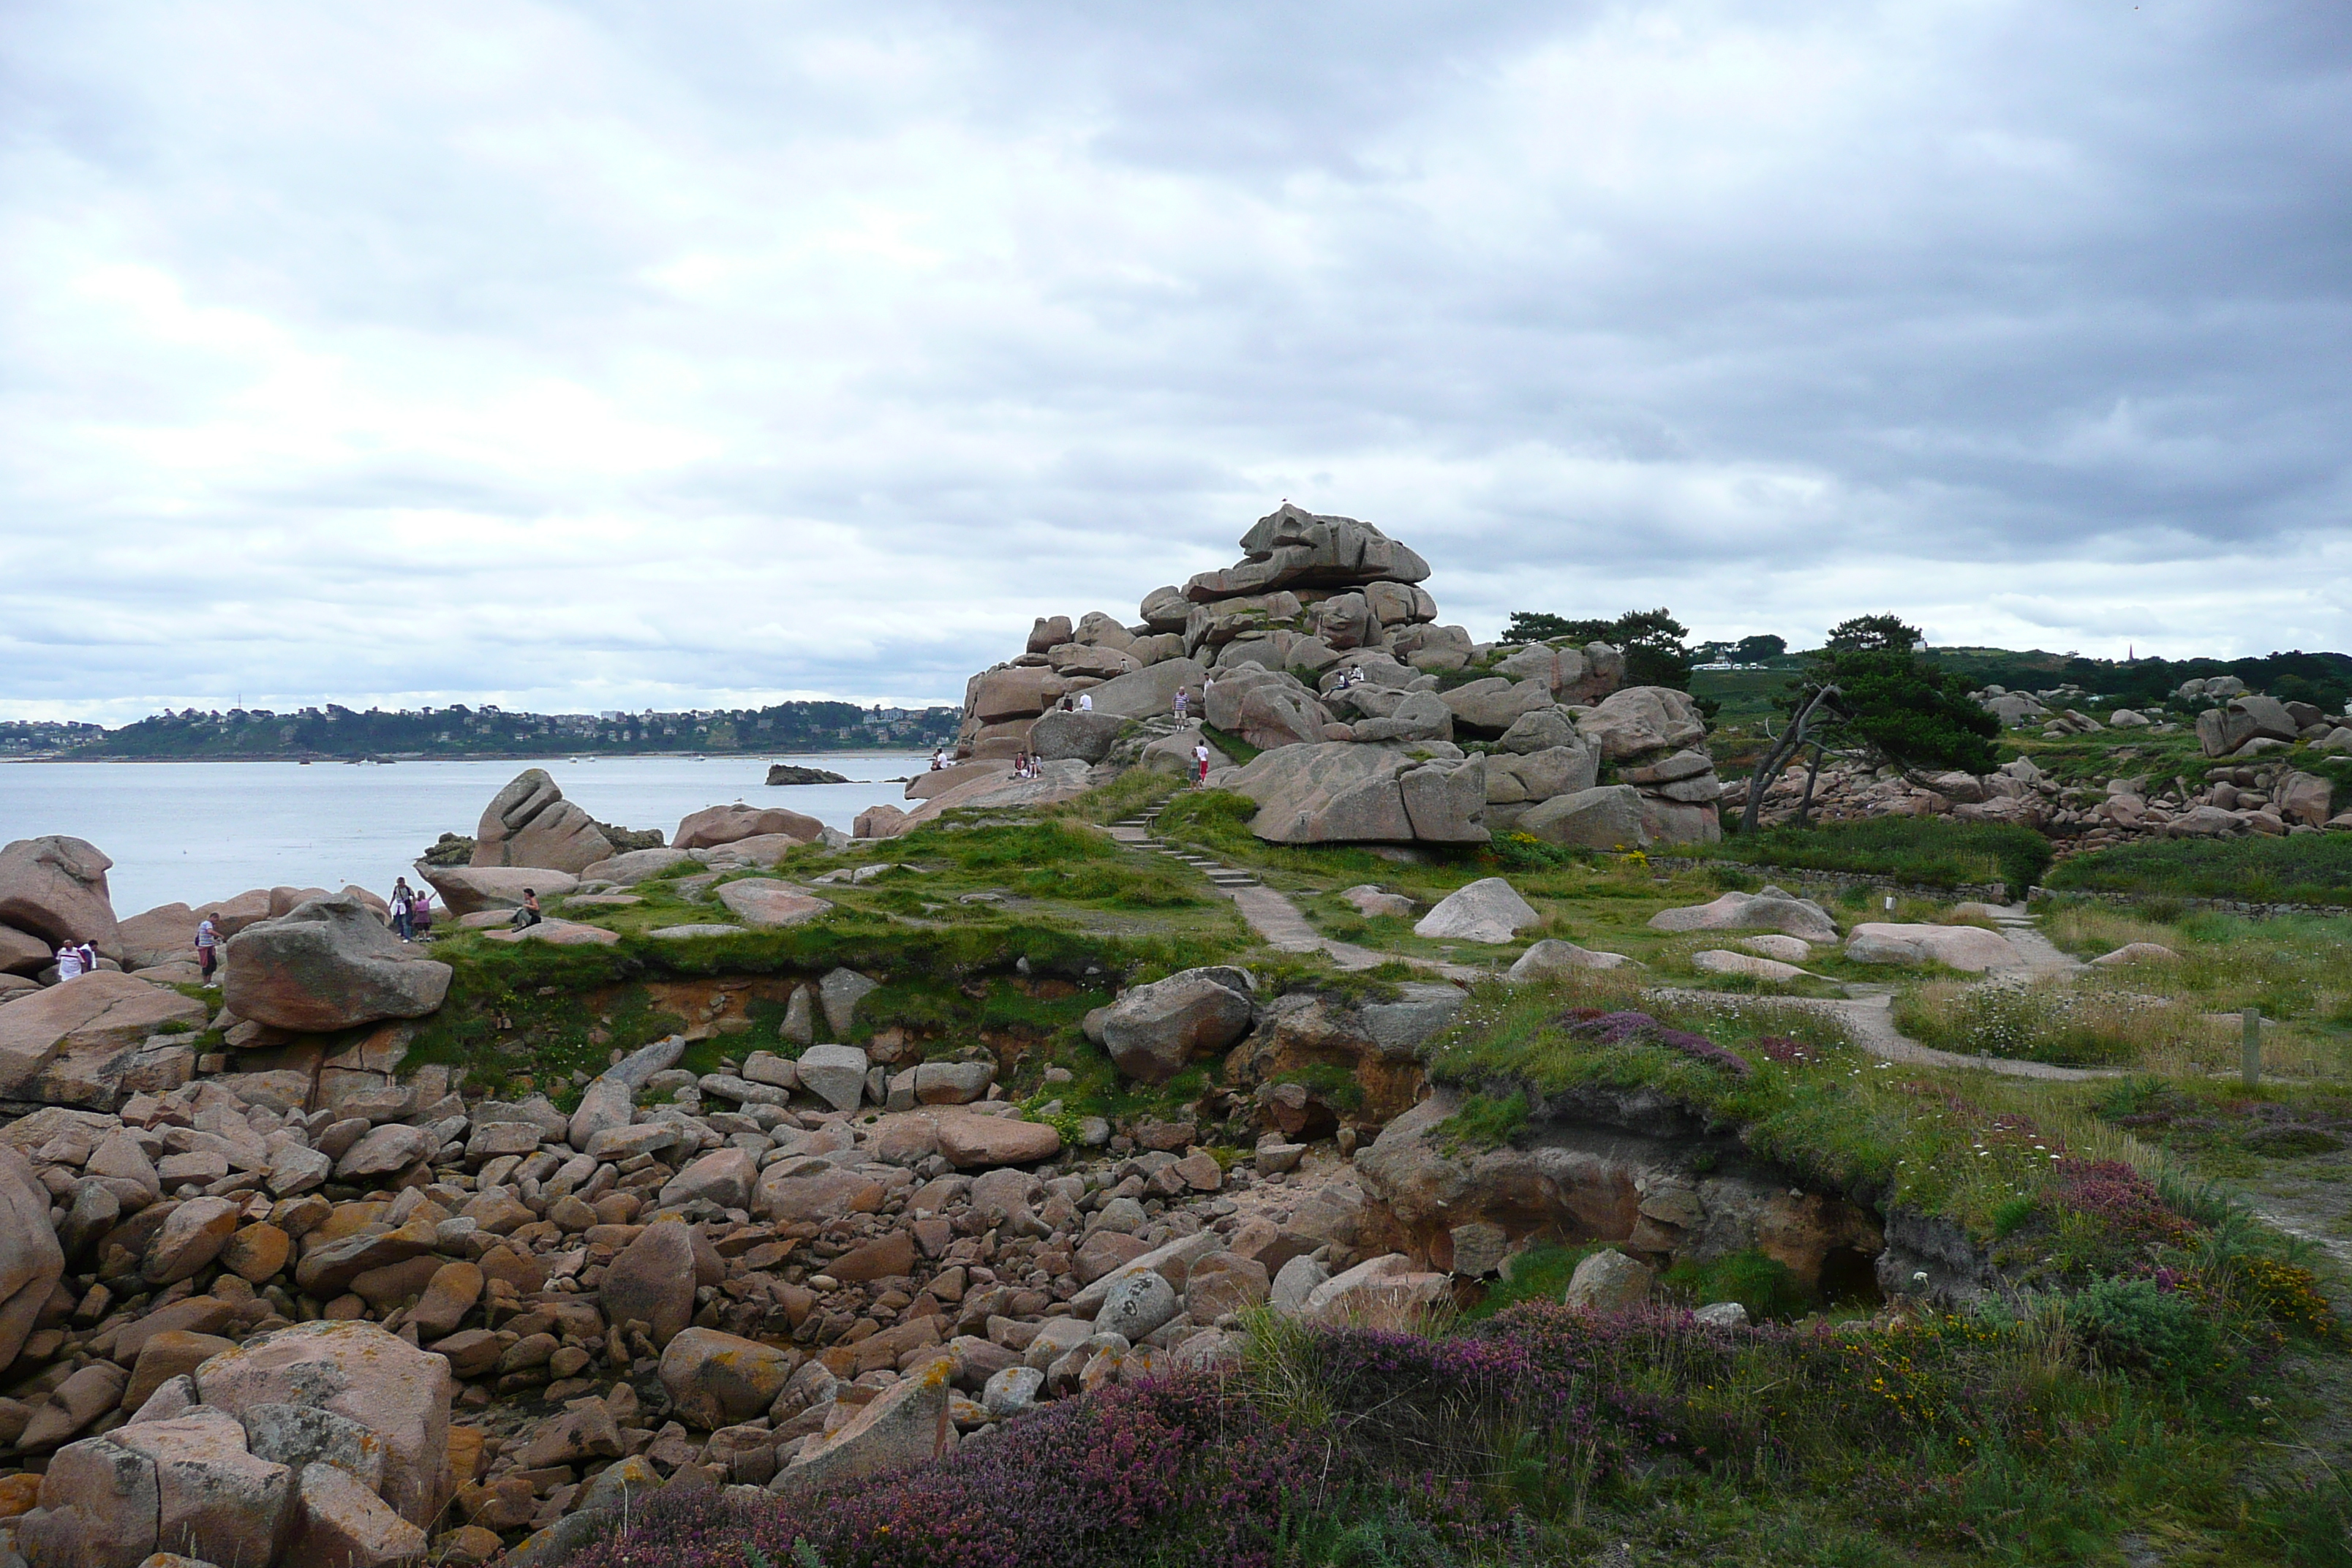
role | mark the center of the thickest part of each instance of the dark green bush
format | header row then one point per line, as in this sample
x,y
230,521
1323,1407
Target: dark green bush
x,y
2134,1324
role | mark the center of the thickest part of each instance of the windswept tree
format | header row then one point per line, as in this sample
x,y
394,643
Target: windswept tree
x,y
1868,692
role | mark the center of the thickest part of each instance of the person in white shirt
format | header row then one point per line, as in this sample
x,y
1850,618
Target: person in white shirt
x,y
69,963
207,947
1201,755
1085,701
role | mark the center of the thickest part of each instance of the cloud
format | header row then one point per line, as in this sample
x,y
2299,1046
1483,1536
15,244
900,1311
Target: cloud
x,y
604,355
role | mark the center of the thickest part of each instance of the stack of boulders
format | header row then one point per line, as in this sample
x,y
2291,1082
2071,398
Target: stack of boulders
x,y
1320,649
2251,724
2273,797
532,839
261,1310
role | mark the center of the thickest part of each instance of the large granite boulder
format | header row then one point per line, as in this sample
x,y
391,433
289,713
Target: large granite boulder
x,y
718,825
1154,1030
1492,706
354,1370
31,1261
1581,676
1606,816
1642,719
470,890
65,1043
185,1484
1293,548
1340,793
1770,910
1086,737
1539,776
529,823
330,965
1055,783
1487,911
1149,690
2219,730
1971,949
160,935
55,888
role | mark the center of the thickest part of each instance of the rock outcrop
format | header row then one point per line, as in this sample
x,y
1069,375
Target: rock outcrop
x,y
328,965
54,889
529,823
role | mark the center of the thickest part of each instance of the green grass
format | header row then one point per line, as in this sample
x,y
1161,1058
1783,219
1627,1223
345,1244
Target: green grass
x,y
2303,869
1840,1121
1930,851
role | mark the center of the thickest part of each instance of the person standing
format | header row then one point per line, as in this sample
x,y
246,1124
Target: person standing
x,y
68,961
208,947
1183,698
420,912
402,901
89,958
1201,755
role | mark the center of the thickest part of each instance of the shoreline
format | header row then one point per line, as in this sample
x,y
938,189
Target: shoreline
x,y
501,757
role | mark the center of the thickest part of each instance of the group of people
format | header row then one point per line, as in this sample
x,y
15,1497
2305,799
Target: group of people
x,y
75,959
1083,702
411,910
1025,766
1352,676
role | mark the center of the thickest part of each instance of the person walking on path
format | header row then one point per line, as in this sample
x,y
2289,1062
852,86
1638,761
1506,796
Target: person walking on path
x,y
403,902
208,947
529,915
1201,755
68,961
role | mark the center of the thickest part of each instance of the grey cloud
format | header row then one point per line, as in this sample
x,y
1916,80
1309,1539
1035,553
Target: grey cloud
x,y
617,348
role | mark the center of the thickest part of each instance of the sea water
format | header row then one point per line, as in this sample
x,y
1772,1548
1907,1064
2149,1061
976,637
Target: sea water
x,y
190,832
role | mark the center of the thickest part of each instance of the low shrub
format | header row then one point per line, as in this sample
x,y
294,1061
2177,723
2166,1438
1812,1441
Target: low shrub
x,y
1930,850
2138,1325
2303,869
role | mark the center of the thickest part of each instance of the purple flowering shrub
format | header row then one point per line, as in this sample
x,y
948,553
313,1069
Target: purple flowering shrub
x,y
1186,1461
1628,1028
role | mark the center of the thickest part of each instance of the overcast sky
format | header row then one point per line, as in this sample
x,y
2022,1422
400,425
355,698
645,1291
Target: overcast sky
x,y
686,353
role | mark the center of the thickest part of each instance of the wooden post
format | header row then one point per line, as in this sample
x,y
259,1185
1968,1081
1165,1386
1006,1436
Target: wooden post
x,y
2250,1064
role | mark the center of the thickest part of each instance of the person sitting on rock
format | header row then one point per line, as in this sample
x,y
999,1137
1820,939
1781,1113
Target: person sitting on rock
x,y
529,915
1085,701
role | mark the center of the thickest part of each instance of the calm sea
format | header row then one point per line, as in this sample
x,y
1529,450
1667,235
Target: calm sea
x,y
188,832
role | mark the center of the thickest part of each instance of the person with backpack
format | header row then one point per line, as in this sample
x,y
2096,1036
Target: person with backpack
x,y
402,902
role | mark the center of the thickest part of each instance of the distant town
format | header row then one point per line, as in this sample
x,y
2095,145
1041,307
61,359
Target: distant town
x,y
457,731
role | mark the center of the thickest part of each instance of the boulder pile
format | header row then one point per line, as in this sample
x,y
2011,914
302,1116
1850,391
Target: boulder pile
x,y
413,1323
1321,651
2273,797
